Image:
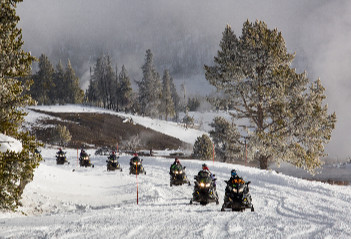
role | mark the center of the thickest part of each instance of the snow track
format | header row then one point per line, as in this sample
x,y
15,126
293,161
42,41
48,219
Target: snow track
x,y
94,203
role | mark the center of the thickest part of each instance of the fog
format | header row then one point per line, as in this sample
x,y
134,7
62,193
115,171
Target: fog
x,y
184,35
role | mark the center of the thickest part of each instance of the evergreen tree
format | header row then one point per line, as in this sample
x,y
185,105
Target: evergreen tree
x,y
149,88
73,93
176,99
125,90
203,148
16,169
285,117
167,105
59,82
43,87
226,140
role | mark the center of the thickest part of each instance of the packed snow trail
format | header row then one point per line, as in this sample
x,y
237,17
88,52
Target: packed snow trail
x,y
94,203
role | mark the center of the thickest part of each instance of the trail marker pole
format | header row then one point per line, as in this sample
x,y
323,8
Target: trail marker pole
x,y
136,174
213,153
245,152
77,158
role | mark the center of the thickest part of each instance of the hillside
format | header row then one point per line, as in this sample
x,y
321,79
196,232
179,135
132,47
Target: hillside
x,y
102,129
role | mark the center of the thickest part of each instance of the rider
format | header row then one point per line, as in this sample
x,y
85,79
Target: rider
x,y
112,156
135,158
175,164
205,168
234,176
60,151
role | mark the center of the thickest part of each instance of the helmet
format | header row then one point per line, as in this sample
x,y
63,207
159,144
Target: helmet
x,y
204,166
233,173
113,152
177,160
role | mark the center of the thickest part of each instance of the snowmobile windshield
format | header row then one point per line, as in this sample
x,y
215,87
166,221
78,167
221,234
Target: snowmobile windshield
x,y
177,167
136,160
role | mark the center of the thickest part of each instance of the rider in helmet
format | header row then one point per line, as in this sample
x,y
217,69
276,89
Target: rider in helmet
x,y
234,176
175,164
205,168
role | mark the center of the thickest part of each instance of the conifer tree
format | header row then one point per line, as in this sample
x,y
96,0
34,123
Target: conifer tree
x,y
286,119
150,88
226,139
59,82
167,105
203,148
43,87
125,90
73,93
16,169
176,99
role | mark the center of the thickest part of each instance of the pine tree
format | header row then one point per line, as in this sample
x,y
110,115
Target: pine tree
x,y
16,169
167,105
125,90
149,88
73,93
285,118
203,148
176,99
225,138
43,87
59,82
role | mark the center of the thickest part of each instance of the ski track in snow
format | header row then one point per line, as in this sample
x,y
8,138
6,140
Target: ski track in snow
x,y
94,203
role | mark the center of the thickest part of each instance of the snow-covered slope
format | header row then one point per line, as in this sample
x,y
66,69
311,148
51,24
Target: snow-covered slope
x,y
94,203
65,201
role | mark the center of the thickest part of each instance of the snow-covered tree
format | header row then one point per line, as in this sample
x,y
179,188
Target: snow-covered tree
x,y
60,87
16,168
203,148
124,90
150,90
226,139
176,99
167,103
281,113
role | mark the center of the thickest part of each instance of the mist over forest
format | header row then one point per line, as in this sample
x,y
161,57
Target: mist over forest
x,y
184,35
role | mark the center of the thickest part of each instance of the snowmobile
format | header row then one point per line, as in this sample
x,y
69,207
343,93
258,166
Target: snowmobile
x,y
112,163
204,189
136,166
178,176
84,160
237,196
61,158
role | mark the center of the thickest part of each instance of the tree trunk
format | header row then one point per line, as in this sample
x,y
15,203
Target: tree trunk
x,y
263,162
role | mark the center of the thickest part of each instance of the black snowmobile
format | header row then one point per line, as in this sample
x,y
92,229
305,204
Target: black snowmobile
x,y
112,163
61,158
237,196
136,166
84,160
178,176
204,189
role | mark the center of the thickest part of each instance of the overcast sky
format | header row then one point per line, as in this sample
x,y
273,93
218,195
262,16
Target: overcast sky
x,y
319,31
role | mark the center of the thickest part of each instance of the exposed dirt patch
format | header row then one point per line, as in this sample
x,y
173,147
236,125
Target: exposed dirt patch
x,y
105,130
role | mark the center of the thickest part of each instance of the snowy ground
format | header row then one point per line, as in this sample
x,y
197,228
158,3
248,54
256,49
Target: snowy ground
x,y
94,203
65,201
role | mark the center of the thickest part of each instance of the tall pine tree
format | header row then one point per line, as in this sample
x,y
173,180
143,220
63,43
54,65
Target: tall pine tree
x,y
285,118
167,105
150,88
16,169
125,90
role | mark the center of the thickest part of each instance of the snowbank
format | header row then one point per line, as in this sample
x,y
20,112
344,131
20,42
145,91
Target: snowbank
x,y
9,143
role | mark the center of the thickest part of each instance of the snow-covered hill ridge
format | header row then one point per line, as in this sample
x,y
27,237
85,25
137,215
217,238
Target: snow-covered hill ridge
x,y
94,203
173,129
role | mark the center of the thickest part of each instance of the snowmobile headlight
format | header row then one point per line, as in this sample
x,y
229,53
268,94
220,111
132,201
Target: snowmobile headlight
x,y
135,163
208,185
202,185
178,172
241,190
86,158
